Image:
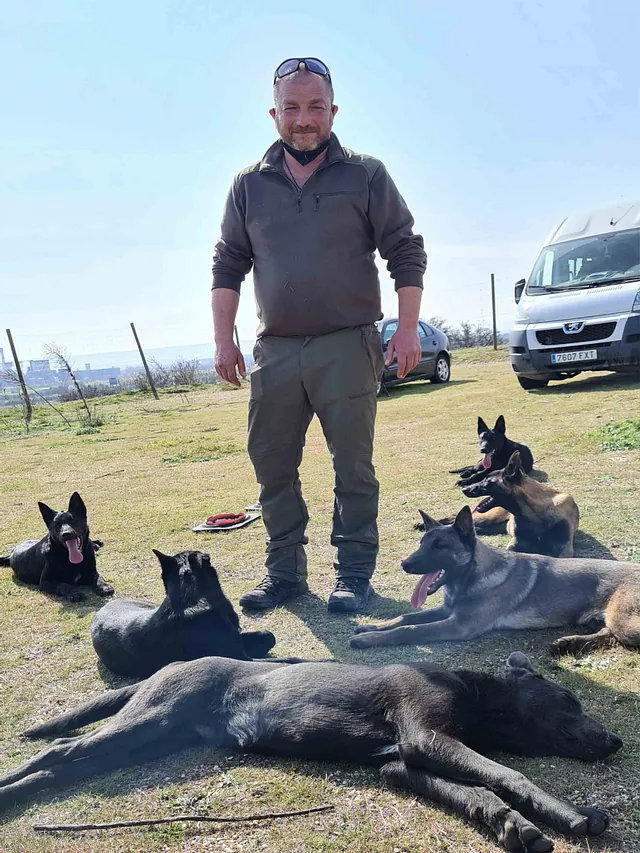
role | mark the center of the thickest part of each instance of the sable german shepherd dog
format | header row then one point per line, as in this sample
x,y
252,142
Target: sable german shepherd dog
x,y
486,589
426,728
136,638
539,518
496,451
62,560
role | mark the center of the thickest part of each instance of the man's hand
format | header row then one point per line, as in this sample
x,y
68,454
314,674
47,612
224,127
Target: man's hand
x,y
404,344
228,358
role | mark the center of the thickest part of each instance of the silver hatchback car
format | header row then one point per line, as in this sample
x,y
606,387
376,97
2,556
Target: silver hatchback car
x,y
434,364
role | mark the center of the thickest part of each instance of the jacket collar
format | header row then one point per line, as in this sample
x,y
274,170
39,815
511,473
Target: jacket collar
x,y
275,153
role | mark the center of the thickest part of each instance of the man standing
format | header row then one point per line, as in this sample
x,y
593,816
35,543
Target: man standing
x,y
308,218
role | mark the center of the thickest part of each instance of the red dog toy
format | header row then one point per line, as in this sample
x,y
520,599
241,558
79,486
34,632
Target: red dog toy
x,y
226,519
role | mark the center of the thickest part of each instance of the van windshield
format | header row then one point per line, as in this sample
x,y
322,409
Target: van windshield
x,y
588,262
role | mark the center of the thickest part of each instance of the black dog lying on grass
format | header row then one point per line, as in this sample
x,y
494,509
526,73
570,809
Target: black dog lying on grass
x,y
496,451
62,560
419,723
196,619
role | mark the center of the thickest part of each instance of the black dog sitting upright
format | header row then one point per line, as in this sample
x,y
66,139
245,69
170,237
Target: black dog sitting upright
x,y
62,560
426,728
196,619
496,451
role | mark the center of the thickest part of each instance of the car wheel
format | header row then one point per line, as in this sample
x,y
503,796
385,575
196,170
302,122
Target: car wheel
x,y
529,384
443,369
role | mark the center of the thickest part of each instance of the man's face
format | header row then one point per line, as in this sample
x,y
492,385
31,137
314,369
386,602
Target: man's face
x,y
303,112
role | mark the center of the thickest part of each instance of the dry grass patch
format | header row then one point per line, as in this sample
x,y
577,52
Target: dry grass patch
x,y
138,501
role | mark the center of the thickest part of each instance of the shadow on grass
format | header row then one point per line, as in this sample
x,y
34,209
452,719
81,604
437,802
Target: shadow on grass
x,y
418,386
596,382
90,604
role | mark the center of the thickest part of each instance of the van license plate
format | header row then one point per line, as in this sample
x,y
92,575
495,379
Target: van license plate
x,y
576,355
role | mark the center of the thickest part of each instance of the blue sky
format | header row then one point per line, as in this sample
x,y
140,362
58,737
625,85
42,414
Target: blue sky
x,y
123,124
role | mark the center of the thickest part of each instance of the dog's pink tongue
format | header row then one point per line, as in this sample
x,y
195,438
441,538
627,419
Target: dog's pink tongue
x,y
422,587
486,460
75,555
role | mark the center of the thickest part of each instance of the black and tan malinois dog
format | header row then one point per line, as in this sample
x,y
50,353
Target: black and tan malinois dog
x,y
496,450
539,518
490,590
426,728
64,559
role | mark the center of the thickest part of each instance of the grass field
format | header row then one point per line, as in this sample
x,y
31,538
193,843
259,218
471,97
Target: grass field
x,y
154,468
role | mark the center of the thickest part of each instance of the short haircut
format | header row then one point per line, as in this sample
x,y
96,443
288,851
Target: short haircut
x,y
303,72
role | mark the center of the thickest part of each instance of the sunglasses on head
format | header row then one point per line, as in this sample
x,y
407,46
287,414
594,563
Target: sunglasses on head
x,y
290,66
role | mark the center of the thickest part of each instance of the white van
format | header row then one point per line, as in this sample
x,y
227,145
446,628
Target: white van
x,y
580,308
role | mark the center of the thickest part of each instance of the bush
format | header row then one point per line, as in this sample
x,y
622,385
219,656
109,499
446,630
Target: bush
x,y
466,336
70,395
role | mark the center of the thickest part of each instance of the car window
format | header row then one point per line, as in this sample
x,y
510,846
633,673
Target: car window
x,y
422,335
428,330
388,330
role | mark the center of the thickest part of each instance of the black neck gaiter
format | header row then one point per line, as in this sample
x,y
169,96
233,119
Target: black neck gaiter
x,y
306,157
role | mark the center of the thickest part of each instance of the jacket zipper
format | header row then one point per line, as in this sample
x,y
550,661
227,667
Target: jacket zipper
x,y
298,190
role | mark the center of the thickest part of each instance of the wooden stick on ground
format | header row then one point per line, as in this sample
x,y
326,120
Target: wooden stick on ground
x,y
83,827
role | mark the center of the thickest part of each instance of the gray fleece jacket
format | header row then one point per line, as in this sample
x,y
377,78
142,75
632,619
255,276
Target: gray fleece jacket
x,y
312,249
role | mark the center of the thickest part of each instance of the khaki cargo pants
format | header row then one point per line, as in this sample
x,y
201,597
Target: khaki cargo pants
x,y
334,376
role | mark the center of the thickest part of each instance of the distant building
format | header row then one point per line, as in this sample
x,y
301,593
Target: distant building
x,y
38,365
99,374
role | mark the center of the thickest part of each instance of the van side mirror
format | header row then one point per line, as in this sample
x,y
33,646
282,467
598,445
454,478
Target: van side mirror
x,y
519,288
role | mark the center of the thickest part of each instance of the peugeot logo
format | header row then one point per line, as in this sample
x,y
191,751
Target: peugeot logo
x,y
573,328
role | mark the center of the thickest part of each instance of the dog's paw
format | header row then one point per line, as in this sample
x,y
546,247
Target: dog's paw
x,y
419,525
520,835
567,646
97,544
105,590
363,641
75,597
597,820
364,629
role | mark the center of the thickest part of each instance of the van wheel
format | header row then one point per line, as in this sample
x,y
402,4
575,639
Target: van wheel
x,y
443,369
529,384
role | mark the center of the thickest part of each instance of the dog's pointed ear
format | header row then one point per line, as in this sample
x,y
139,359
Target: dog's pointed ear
x,y
518,664
428,521
514,471
464,524
76,505
170,570
500,425
47,513
482,427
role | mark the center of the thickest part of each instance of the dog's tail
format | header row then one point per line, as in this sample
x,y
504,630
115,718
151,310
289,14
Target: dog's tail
x,y
95,709
4,561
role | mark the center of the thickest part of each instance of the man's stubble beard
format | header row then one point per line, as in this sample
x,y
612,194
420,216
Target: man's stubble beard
x,y
302,143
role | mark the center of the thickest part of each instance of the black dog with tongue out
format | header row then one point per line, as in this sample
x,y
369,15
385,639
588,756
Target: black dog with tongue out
x,y
62,560
496,450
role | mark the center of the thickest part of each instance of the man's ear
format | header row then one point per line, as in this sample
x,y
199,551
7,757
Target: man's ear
x,y
334,109
272,113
